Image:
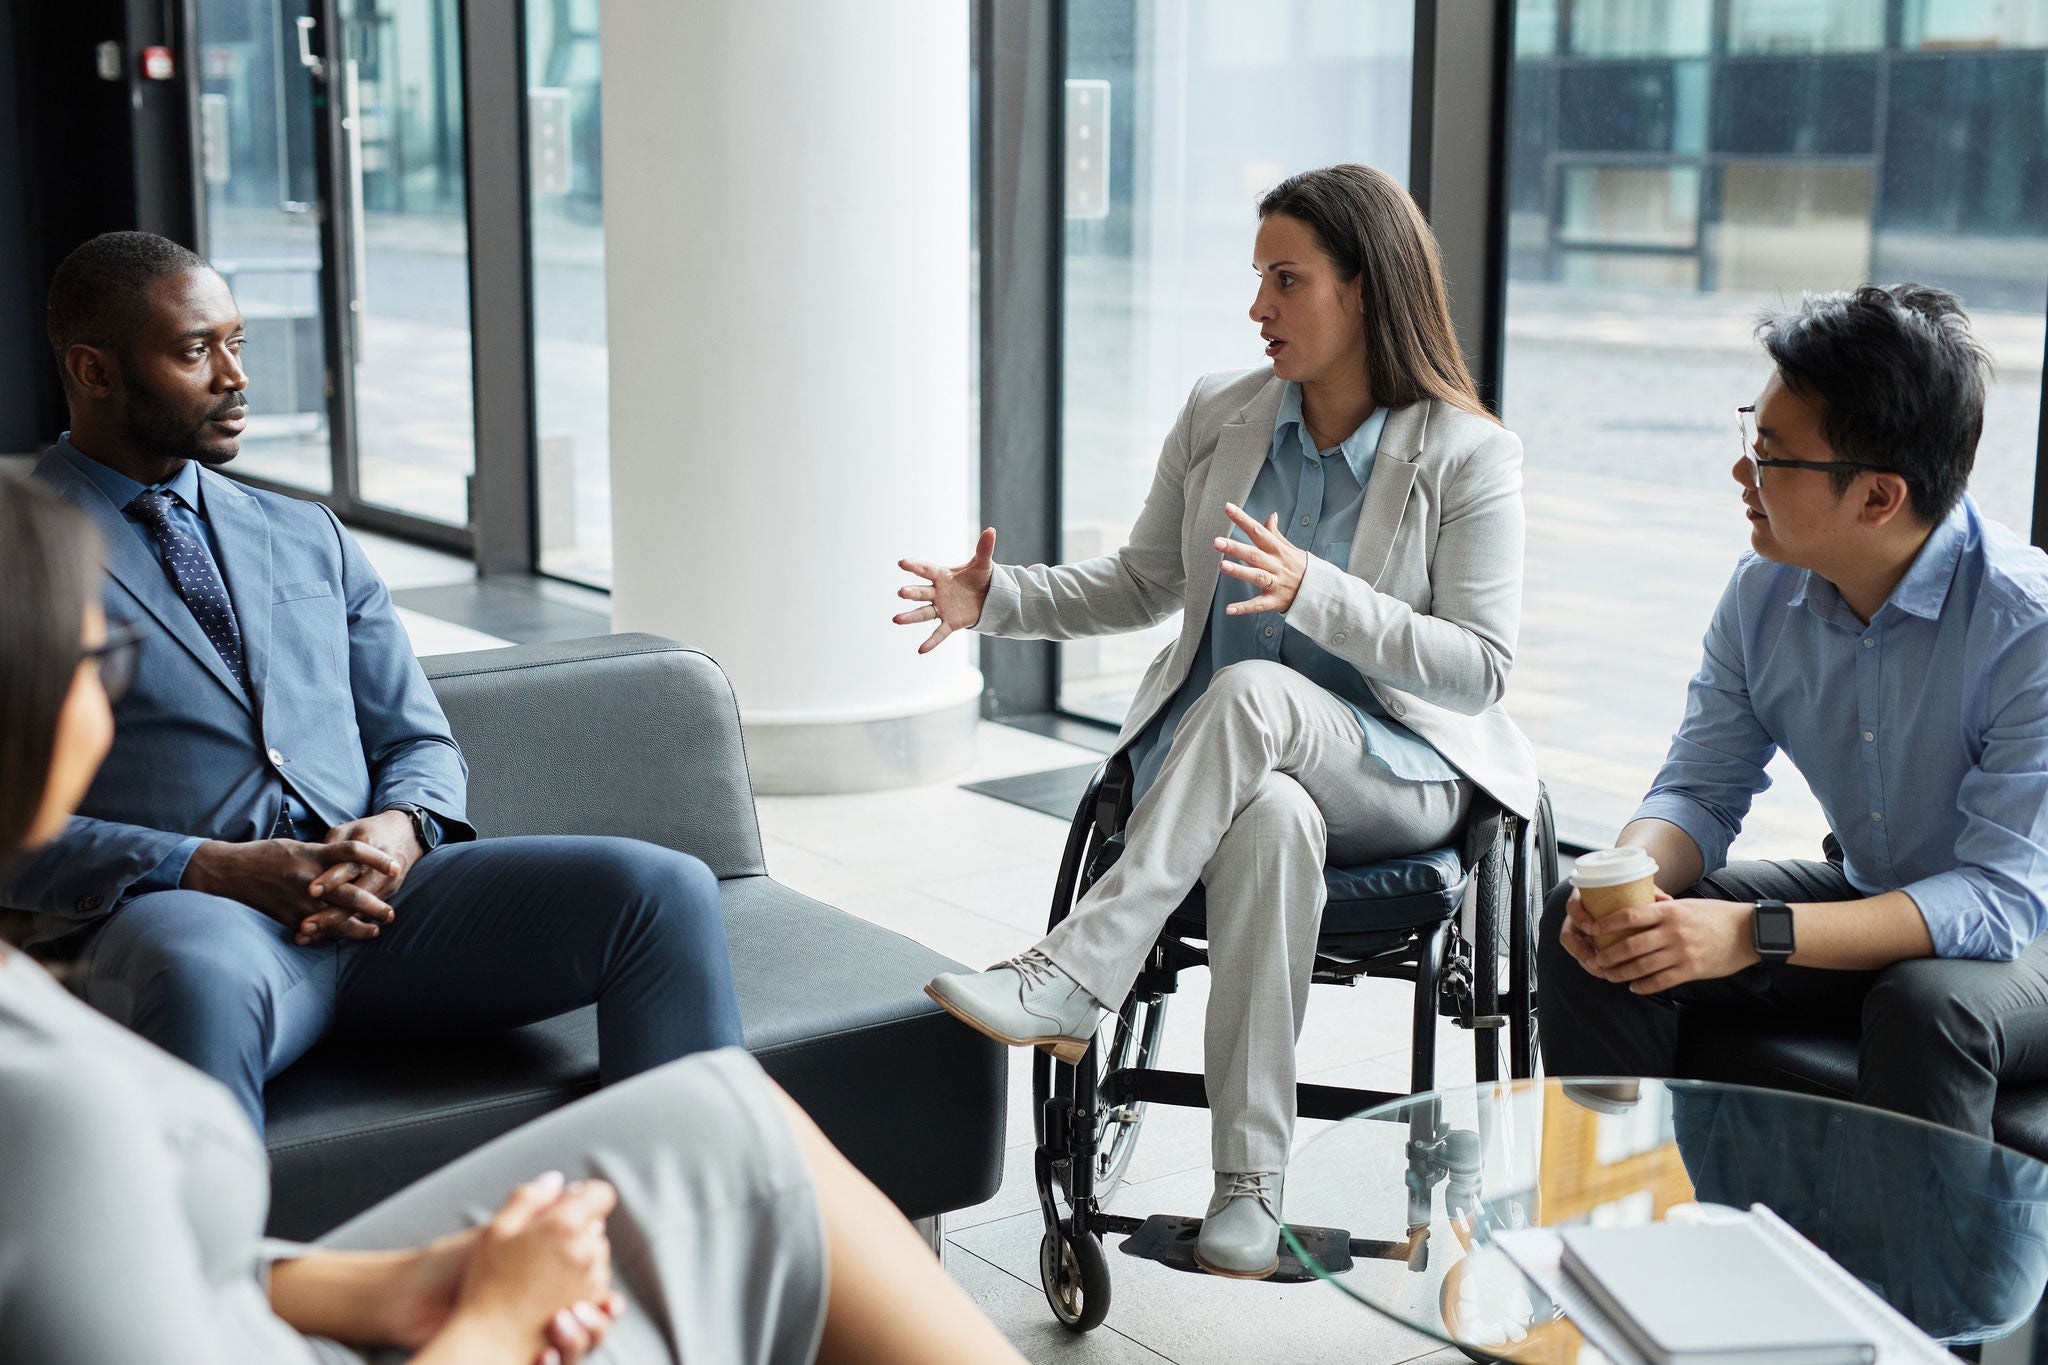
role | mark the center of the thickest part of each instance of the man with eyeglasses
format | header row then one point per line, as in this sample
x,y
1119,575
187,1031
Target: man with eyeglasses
x,y
1894,643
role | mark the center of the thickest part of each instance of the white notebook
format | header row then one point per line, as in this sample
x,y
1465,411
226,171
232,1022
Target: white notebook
x,y
1710,1294
1538,1252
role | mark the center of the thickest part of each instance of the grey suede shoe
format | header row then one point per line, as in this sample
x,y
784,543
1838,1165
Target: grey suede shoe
x,y
1241,1235
1026,1002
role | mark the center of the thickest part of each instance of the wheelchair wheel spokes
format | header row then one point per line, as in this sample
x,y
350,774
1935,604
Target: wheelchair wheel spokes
x,y
1128,1039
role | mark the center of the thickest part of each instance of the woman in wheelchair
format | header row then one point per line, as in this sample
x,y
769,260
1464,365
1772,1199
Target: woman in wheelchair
x,y
1342,531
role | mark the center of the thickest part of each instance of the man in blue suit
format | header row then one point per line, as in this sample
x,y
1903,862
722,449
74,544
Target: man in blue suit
x,y
276,847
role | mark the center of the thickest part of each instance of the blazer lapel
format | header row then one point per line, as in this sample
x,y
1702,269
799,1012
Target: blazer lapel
x,y
131,564
243,533
1386,492
1242,445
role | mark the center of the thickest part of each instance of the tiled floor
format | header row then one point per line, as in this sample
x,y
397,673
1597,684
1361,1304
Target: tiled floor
x,y
972,877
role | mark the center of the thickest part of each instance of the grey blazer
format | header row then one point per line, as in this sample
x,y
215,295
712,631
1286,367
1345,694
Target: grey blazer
x,y
1427,611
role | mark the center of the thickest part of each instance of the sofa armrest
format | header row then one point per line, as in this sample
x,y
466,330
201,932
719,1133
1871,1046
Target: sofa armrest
x,y
630,735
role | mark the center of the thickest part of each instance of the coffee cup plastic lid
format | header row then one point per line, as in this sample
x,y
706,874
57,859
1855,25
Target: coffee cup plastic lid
x,y
1613,867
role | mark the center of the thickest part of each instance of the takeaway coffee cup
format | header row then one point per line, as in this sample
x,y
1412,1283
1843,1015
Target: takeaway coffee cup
x,y
1611,879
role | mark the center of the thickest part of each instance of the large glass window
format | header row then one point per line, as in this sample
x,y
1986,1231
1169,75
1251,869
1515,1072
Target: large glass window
x,y
261,201
352,261
1663,193
571,378
408,202
1179,113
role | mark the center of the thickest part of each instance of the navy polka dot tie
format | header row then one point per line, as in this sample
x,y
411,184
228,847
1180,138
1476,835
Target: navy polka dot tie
x,y
198,582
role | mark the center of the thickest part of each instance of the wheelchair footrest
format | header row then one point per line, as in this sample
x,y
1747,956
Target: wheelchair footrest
x,y
1170,1240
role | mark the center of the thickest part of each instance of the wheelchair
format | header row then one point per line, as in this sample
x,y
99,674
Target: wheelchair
x,y
1400,919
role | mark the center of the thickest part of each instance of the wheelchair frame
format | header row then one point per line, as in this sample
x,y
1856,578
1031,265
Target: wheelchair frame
x,y
1083,1148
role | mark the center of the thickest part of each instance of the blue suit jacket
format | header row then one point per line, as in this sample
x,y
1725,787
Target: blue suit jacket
x,y
340,701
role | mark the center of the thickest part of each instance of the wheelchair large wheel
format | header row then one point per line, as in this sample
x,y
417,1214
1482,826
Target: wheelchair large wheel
x,y
1075,1274
1536,878
1129,1039
1491,947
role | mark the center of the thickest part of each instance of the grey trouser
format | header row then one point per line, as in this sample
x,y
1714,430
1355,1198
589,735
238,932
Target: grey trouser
x,y
717,1239
1937,1034
1267,779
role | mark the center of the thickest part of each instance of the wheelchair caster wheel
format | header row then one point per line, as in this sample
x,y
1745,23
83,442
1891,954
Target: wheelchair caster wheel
x,y
1076,1278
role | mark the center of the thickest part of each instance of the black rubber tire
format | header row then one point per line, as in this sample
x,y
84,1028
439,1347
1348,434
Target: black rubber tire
x,y
1490,939
1075,1275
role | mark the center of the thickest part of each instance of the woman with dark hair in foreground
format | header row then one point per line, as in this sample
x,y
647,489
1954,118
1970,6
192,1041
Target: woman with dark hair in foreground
x,y
135,1191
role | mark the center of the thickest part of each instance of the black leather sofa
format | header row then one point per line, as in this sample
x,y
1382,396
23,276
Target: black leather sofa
x,y
1747,1051
639,736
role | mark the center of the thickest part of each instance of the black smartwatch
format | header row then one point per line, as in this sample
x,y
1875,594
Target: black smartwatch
x,y
1770,931
425,827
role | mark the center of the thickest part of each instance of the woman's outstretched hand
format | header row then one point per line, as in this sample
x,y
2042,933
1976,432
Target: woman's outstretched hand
x,y
953,597
1272,563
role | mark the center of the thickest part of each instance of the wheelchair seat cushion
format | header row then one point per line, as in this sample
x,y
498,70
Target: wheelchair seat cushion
x,y
1410,892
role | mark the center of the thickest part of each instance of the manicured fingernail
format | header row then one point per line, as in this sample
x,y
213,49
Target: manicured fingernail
x,y
566,1324
550,1179
550,1357
589,1315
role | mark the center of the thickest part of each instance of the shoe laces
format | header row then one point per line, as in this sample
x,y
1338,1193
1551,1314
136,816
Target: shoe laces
x,y
1251,1185
1036,968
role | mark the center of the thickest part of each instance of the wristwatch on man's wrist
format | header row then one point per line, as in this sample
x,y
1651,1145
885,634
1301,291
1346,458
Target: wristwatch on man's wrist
x,y
1770,931
425,828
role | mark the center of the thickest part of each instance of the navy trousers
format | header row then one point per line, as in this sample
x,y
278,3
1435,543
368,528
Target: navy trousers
x,y
487,935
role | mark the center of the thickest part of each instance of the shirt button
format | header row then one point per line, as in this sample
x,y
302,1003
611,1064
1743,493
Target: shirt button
x,y
1338,638
1304,521
1877,815
1869,643
1269,632
276,757
1869,735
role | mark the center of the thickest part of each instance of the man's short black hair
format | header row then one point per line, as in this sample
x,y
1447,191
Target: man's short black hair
x,y
1900,381
97,294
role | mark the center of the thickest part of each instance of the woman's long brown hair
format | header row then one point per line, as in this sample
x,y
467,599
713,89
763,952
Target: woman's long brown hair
x,y
1373,232
49,571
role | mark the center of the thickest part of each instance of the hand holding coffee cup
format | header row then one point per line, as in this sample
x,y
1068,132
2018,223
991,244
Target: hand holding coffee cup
x,y
1611,879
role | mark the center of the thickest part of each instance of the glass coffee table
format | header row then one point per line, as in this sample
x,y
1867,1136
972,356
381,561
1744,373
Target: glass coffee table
x,y
1951,1231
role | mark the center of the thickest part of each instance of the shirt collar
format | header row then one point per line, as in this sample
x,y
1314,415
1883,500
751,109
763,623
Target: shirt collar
x,y
120,489
1925,587
1358,449
1922,592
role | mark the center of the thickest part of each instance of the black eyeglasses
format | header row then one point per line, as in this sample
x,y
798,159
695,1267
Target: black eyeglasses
x,y
114,657
1745,418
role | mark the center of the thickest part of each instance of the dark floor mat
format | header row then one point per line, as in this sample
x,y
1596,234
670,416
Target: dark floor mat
x,y
1055,793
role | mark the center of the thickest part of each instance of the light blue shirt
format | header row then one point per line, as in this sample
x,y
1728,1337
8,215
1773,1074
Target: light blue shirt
x,y
1317,495
1924,733
121,490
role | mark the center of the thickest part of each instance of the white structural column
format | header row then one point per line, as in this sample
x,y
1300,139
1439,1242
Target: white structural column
x,y
786,243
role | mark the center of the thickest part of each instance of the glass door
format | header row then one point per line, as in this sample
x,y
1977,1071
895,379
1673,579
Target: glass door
x,y
260,179
407,238
331,146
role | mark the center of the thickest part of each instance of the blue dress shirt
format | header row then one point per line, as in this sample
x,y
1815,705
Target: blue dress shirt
x,y
1924,733
1317,495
